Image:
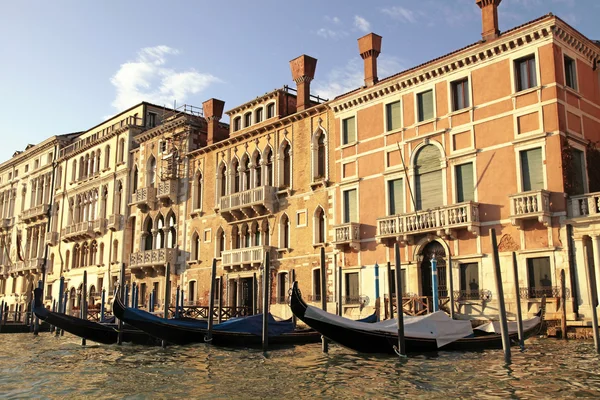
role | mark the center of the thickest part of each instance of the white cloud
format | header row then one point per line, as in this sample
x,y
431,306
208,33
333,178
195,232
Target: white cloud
x,y
333,20
400,13
362,24
331,34
148,79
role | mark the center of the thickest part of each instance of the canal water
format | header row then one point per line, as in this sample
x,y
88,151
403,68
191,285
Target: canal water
x,y
50,367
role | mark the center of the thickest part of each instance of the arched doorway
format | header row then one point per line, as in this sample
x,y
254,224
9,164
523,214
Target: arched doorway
x,y
431,250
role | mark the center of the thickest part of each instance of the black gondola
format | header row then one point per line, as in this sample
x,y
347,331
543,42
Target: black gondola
x,y
368,339
97,332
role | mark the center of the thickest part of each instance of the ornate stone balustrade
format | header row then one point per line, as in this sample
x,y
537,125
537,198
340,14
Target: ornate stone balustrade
x,y
115,222
586,205
144,197
347,234
81,230
530,205
52,238
36,213
152,258
249,203
249,256
167,191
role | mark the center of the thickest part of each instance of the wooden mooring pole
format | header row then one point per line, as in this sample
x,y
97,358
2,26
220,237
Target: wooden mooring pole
x,y
391,284
83,303
121,294
220,291
518,301
563,304
290,284
36,323
399,311
590,275
500,291
324,344
167,296
211,301
339,288
266,294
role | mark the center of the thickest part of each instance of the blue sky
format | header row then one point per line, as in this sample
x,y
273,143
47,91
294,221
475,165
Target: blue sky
x,y
70,64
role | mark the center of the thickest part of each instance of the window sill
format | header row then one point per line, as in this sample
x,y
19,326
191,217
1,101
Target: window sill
x,y
283,250
284,191
120,163
345,146
392,131
319,245
105,169
196,213
425,122
461,111
191,262
572,91
319,182
526,91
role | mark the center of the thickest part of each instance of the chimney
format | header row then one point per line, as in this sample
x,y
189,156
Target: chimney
x,y
213,111
369,47
489,18
303,71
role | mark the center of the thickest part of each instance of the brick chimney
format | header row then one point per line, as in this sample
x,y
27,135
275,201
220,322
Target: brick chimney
x,y
303,71
369,47
489,18
213,111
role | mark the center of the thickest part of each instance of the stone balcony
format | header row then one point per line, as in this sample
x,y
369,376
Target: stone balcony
x,y
442,221
167,191
152,262
33,265
585,207
249,203
245,258
52,238
6,223
144,198
115,222
534,204
80,230
347,234
36,213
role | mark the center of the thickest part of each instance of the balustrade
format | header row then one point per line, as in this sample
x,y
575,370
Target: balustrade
x,y
248,203
528,205
245,256
348,233
586,205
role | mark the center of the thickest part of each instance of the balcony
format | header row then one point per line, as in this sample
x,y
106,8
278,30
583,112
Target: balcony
x,y
51,238
81,230
33,265
443,221
99,226
530,205
6,223
249,203
347,234
36,213
585,207
115,222
144,198
152,262
246,258
167,191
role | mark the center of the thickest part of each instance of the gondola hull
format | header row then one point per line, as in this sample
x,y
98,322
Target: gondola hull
x,y
365,341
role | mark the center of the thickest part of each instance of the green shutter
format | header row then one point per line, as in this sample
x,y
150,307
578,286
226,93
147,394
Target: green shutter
x,y
393,113
464,183
428,178
395,197
425,101
578,175
350,212
349,130
352,289
531,169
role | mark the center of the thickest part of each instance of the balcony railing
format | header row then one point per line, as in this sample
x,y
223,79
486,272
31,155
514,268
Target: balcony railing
x,y
541,291
6,223
152,258
81,230
99,225
167,190
472,295
247,256
248,203
441,220
36,213
587,205
32,265
348,233
144,197
114,222
52,238
530,205
317,298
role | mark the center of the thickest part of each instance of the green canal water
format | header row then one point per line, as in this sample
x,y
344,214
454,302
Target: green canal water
x,y
60,368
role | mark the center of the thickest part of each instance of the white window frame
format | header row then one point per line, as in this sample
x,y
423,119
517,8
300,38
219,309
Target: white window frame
x,y
416,94
455,78
391,100
457,162
513,73
342,119
345,189
573,56
529,146
316,226
387,181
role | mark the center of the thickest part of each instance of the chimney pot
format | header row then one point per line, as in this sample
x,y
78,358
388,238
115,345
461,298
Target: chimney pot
x,y
303,72
489,18
213,111
369,47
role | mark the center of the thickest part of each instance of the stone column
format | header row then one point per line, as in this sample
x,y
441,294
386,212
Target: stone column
x,y
596,249
581,279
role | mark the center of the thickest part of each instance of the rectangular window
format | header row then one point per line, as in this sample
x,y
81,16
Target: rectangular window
x,y
469,281
577,175
350,212
352,288
525,73
531,169
425,105
464,183
395,197
349,130
271,110
570,73
393,114
538,274
460,94
316,284
151,120
26,168
259,115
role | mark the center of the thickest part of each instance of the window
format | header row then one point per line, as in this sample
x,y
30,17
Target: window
x,y
26,168
247,120
538,274
425,105
464,183
349,130
469,281
428,178
352,288
106,157
162,146
525,73
282,287
350,206
151,120
393,114
220,243
151,178
142,296
284,231
268,167
258,115
237,123
395,197
222,180
570,73
36,164
122,150
321,156
577,173
271,110
319,224
531,169
198,196
192,292
16,173
287,165
460,94
195,246
58,175
316,278
236,178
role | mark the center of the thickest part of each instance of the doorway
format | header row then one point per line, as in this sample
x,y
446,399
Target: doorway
x,y
433,249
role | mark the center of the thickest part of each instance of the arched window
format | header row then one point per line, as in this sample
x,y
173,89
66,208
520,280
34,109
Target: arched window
x,y
58,175
94,253
74,171
115,252
236,176
86,166
268,167
84,255
93,163
257,169
103,201
101,254
237,123
134,179
122,150
98,158
195,246
284,232
172,232
160,236
246,173
198,194
321,156
151,171
428,178
106,156
222,180
148,234
220,242
286,165
118,198
319,224
258,115
247,119
81,168
270,110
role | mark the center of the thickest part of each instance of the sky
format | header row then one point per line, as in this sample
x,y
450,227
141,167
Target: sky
x,y
69,64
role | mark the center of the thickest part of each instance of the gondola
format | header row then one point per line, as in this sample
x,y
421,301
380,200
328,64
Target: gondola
x,y
104,333
430,333
236,332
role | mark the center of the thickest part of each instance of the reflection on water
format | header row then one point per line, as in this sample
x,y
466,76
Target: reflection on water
x,y
50,367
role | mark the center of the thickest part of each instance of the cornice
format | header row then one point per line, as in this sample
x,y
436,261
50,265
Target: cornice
x,y
98,141
31,152
253,103
168,126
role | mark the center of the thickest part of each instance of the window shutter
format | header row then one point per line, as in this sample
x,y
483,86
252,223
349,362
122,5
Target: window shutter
x,y
531,168
394,115
428,179
349,130
464,183
352,289
350,212
578,172
396,199
425,105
